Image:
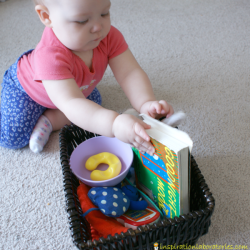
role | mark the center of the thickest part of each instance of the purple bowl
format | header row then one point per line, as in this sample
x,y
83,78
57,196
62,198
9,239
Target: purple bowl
x,y
98,145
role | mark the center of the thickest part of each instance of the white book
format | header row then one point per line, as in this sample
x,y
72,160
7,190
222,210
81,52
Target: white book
x,y
165,177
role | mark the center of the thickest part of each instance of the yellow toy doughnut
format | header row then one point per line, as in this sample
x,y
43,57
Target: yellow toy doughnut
x,y
113,170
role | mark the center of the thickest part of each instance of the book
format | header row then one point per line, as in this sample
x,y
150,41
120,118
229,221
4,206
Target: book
x,y
165,176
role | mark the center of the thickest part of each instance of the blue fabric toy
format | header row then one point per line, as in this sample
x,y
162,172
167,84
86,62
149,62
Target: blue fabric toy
x,y
110,200
136,202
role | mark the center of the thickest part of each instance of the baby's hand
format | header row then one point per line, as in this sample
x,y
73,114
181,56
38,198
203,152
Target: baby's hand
x,y
157,109
130,129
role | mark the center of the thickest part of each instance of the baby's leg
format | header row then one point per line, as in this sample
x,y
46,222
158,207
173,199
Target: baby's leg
x,y
51,120
18,115
57,119
95,96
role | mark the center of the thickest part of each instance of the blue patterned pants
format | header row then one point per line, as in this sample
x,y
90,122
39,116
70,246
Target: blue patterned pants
x,y
19,113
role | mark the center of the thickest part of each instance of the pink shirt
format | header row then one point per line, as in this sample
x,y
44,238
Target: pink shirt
x,y
51,60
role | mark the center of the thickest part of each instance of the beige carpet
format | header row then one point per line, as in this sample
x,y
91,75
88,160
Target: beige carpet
x,y
197,55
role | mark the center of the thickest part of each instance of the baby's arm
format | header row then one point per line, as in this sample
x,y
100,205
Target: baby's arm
x,y
67,97
137,87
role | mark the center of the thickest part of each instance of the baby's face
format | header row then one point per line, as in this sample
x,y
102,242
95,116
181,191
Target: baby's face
x,y
80,24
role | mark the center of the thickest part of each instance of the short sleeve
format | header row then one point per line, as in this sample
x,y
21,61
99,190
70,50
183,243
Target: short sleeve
x,y
52,63
116,43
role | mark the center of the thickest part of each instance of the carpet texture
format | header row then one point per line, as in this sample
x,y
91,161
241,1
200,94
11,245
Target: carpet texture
x,y
197,56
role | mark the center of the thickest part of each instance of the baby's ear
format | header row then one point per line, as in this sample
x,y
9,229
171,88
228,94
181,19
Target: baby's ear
x,y
43,14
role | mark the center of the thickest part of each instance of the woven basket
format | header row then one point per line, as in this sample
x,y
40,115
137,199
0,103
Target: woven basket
x,y
183,230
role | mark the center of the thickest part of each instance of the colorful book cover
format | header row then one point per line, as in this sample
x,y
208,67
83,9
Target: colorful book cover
x,y
158,177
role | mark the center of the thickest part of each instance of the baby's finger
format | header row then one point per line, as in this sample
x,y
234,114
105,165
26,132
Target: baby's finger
x,y
166,108
142,139
171,111
155,108
144,146
158,107
142,142
150,151
140,130
139,147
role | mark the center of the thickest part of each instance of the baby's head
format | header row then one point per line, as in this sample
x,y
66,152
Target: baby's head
x,y
79,24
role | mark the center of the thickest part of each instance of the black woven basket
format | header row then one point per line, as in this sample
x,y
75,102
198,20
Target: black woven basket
x,y
183,230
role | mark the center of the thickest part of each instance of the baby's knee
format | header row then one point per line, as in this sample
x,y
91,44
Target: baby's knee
x,y
14,143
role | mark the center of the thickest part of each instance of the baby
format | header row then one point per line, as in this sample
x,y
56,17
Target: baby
x,y
55,84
